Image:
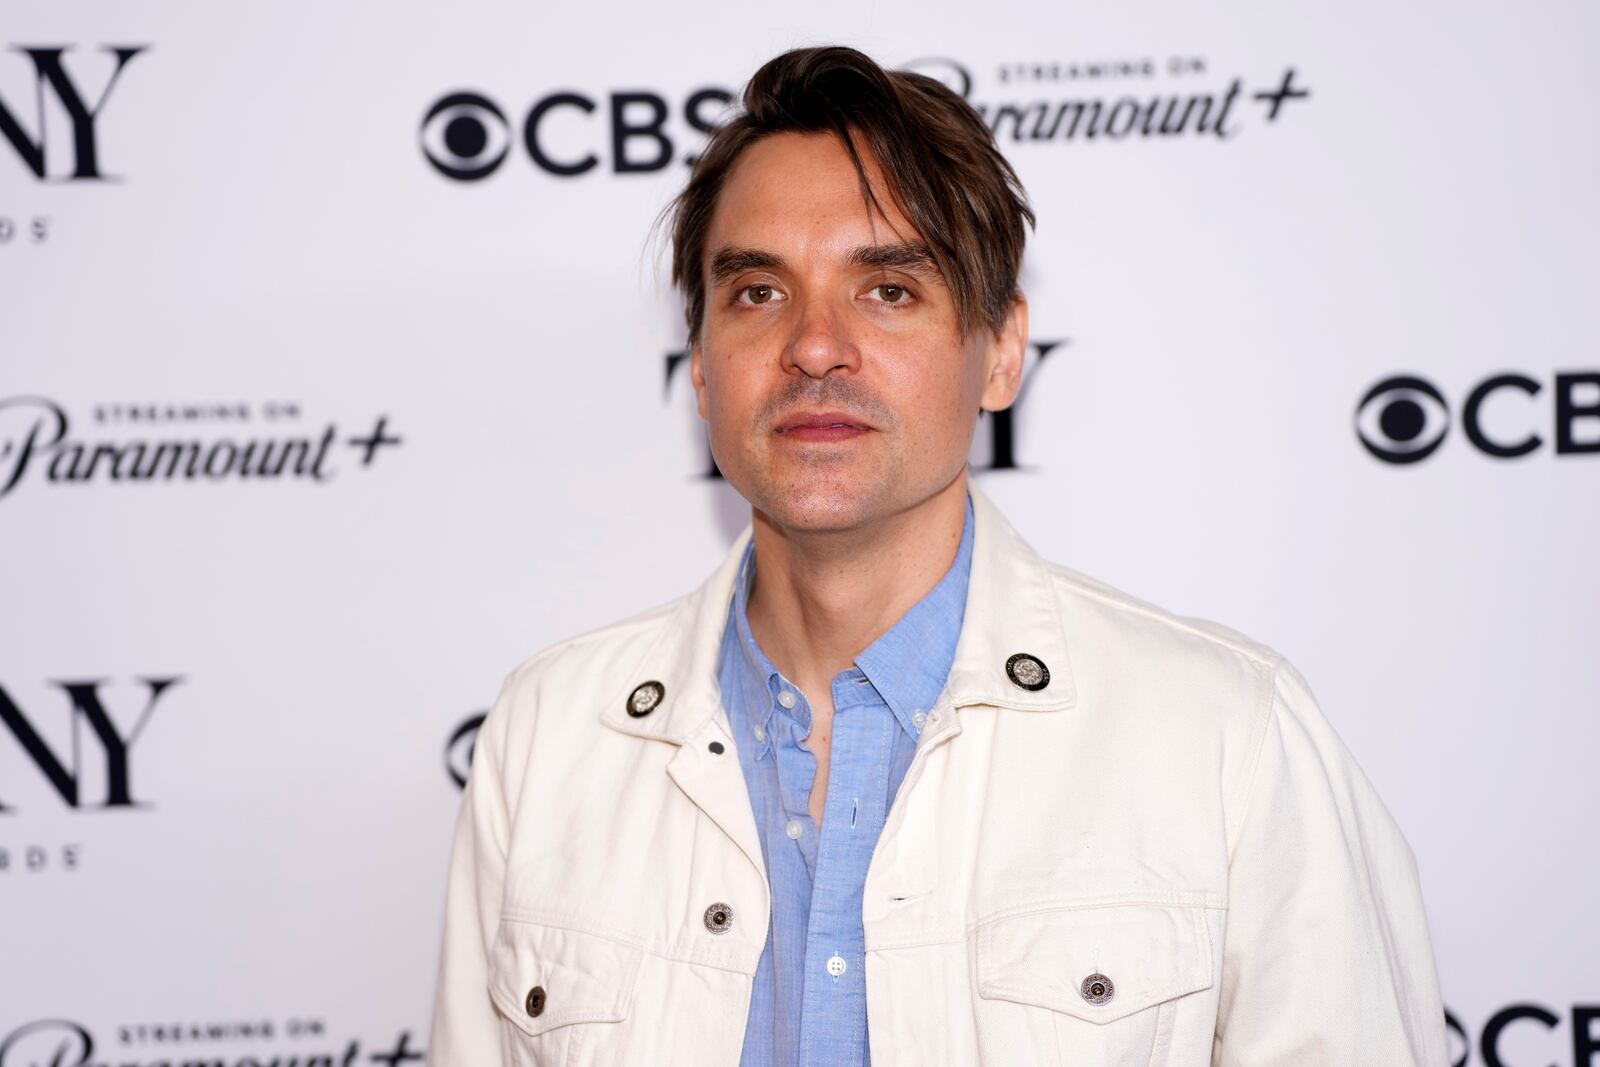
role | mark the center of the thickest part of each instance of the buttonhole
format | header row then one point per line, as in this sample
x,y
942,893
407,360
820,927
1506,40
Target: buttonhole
x,y
855,806
908,896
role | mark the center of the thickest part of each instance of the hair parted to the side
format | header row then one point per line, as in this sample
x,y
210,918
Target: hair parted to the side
x,y
939,163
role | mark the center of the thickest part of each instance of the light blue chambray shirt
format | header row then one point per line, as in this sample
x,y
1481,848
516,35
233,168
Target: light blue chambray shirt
x,y
809,1004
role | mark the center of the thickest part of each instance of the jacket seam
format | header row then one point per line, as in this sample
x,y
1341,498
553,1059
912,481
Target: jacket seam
x,y
1162,617
719,962
1208,901
1247,791
647,620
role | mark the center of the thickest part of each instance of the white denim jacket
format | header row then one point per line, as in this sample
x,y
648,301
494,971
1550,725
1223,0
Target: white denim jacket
x,y
1165,856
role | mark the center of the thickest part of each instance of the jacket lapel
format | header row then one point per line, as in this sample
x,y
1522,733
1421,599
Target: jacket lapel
x,y
1011,609
690,715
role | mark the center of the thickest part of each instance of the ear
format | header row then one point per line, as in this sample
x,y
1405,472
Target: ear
x,y
697,378
1003,359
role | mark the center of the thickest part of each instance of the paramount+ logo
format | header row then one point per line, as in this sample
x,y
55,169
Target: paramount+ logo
x,y
1406,418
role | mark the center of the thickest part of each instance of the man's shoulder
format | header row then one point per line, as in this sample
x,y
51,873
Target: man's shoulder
x,y
1094,611
606,652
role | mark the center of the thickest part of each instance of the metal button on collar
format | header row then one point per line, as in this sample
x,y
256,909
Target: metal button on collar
x,y
786,698
645,698
1097,989
535,1001
719,918
1027,672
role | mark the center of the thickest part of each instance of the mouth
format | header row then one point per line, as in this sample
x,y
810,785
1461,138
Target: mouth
x,y
821,426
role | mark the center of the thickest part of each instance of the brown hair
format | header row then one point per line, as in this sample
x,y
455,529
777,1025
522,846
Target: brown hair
x,y
939,163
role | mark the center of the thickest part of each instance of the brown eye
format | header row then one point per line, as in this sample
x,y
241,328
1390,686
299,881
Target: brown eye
x,y
759,294
891,294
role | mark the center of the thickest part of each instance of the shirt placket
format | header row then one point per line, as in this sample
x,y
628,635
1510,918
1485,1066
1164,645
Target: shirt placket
x,y
834,1003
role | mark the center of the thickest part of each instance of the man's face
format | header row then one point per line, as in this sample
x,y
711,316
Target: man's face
x,y
830,366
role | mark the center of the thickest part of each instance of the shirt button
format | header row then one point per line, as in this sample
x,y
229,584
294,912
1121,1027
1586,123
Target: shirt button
x,y
793,829
786,698
761,735
919,720
836,965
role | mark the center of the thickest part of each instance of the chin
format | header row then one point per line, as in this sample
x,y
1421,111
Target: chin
x,y
820,505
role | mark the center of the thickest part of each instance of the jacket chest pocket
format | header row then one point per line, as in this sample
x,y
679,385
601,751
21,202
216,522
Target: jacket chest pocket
x,y
564,994
1094,985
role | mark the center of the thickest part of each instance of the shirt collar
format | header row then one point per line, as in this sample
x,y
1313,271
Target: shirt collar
x,y
907,665
1013,606
757,675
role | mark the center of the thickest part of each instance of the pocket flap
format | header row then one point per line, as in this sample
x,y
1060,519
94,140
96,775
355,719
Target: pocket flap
x,y
583,977
1150,953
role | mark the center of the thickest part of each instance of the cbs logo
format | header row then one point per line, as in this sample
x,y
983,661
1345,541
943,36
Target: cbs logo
x,y
1405,419
466,136
459,747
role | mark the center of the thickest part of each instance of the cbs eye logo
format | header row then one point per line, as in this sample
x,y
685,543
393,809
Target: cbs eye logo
x,y
1405,419
458,749
1402,420
465,136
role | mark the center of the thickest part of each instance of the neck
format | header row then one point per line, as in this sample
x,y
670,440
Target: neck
x,y
818,599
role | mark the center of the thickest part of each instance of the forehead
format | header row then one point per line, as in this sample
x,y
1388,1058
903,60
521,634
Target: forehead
x,y
799,192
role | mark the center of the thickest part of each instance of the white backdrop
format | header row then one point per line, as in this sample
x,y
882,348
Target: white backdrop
x,y
229,698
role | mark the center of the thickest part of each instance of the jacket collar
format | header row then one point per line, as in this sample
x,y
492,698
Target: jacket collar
x,y
1011,608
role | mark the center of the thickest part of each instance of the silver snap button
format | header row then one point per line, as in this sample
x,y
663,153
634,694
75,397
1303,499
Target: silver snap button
x,y
645,698
1097,989
719,918
1027,672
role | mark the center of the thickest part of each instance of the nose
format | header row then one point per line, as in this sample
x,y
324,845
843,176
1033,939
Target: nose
x,y
821,344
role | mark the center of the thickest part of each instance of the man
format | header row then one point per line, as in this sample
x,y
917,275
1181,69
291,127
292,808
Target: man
x,y
888,786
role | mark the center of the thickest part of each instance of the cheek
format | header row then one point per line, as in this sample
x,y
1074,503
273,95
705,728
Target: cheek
x,y
946,392
729,397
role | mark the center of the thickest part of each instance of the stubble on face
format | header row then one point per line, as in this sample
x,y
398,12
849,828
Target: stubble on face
x,y
910,378
820,486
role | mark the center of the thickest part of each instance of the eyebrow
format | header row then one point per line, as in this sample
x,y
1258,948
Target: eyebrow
x,y
727,263
912,256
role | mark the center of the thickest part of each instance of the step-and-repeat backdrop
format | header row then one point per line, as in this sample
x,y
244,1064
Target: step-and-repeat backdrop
x,y
338,375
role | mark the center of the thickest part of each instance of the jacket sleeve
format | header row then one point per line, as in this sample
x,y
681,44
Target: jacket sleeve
x,y
466,1026
1327,959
